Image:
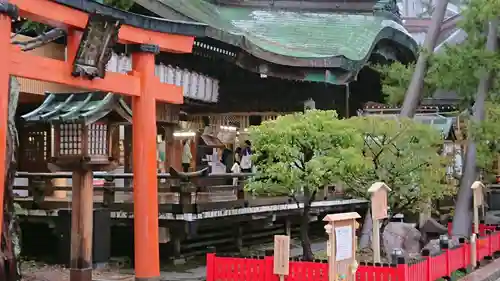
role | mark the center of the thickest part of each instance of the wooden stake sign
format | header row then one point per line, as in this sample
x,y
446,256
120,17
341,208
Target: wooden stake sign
x,y
341,229
281,255
379,208
478,201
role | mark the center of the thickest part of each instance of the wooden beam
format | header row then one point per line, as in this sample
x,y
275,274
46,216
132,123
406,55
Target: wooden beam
x,y
56,71
54,14
5,26
51,70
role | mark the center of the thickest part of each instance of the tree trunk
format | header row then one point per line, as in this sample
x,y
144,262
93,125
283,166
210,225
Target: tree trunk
x,y
414,92
307,253
11,243
462,220
366,232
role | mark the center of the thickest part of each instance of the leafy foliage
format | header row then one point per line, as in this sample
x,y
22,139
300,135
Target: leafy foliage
x,y
404,154
120,4
486,138
396,78
299,153
457,68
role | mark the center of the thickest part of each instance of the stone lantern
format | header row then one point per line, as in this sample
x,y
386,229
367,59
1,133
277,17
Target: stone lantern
x,y
86,139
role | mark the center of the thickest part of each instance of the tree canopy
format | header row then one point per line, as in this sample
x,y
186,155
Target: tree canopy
x,y
456,68
299,153
404,154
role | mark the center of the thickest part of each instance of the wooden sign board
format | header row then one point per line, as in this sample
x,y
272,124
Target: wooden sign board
x,y
379,207
281,254
477,189
342,263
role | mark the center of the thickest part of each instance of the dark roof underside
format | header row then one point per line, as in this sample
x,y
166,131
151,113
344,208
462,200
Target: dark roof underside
x,y
149,23
85,108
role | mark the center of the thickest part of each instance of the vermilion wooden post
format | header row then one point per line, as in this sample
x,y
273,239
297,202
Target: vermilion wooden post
x,y
5,27
82,204
147,260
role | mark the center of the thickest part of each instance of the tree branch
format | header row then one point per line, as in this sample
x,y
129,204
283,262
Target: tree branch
x,y
40,40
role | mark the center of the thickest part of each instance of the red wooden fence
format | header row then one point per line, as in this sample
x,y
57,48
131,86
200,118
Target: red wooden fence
x,y
428,268
482,228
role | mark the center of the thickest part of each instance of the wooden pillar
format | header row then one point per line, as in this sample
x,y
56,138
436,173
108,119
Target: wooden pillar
x,y
5,28
288,227
146,244
127,147
238,231
82,205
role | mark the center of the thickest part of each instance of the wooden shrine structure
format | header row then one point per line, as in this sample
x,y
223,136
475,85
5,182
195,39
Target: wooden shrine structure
x,y
163,73
140,84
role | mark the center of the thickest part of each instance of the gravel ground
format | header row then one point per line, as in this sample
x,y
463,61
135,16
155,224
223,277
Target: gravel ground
x,y
192,271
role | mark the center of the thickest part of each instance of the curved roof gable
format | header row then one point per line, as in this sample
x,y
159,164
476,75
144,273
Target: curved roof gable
x,y
85,108
297,38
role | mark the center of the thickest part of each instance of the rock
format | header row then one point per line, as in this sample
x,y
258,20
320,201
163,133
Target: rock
x,y
432,226
405,236
492,217
434,247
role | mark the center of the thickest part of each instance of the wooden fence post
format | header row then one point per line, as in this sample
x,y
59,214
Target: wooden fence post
x,y
478,198
379,208
473,250
109,192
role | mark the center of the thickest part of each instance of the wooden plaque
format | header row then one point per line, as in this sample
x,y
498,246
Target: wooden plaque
x,y
281,254
379,192
342,260
477,189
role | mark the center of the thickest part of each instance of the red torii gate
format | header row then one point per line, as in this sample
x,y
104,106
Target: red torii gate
x,y
141,84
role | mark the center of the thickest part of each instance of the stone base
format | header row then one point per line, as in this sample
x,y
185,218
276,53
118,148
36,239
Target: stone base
x,y
147,278
80,274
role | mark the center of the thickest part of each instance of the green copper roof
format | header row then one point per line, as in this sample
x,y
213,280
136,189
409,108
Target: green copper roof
x,y
83,108
297,38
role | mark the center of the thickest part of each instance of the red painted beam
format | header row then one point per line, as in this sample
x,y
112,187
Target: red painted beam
x,y
5,26
55,14
51,70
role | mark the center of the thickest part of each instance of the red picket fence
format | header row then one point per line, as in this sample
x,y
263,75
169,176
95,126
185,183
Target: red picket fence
x,y
428,268
482,228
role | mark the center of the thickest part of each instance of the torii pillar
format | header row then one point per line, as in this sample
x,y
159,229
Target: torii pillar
x,y
145,185
142,85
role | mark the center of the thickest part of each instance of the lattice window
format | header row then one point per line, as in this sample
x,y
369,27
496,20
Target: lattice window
x,y
36,148
97,139
70,142
167,113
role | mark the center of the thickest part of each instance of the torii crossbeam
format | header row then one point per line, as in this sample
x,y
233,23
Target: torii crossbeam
x,y
141,84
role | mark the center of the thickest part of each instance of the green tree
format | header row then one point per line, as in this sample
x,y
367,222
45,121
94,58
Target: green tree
x,y
404,154
485,136
120,4
299,154
470,70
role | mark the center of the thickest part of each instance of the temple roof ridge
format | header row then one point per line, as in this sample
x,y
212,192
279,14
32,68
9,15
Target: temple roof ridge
x,y
84,107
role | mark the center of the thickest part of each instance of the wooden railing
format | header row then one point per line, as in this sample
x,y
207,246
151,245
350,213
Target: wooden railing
x,y
176,194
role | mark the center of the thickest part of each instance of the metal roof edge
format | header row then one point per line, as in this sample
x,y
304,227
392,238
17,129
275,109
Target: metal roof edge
x,y
145,22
